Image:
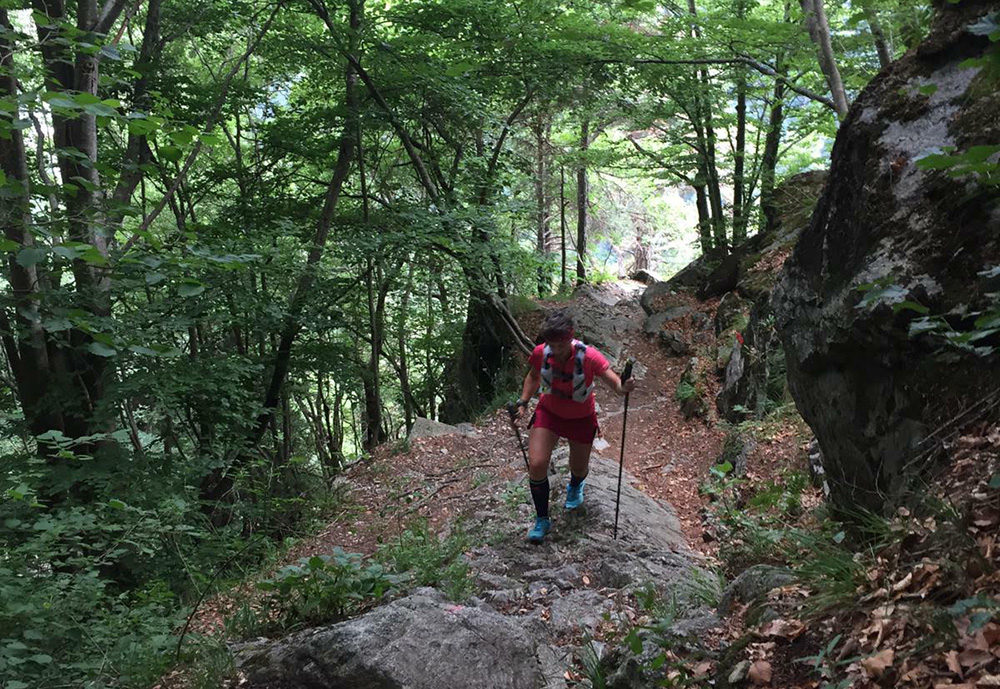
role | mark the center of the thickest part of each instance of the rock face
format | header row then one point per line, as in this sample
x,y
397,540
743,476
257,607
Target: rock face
x,y
422,641
872,378
605,318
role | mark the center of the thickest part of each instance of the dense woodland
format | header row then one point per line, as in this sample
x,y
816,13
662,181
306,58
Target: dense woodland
x,y
248,242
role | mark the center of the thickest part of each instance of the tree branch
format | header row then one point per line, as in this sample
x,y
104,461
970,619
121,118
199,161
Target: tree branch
x,y
761,67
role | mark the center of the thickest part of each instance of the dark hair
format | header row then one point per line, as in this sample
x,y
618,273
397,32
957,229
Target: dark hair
x,y
557,325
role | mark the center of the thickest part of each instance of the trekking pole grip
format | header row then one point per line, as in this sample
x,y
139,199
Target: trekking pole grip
x,y
628,369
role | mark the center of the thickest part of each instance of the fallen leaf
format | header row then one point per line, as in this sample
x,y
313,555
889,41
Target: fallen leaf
x,y
586,580
760,673
988,681
974,656
702,668
903,583
783,629
951,658
876,665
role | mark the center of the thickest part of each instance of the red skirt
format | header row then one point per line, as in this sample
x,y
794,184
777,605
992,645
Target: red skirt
x,y
582,430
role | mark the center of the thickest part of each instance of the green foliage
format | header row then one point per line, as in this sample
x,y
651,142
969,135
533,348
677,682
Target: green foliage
x,y
685,391
420,558
323,588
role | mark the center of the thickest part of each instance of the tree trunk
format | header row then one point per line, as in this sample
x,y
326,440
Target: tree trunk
x,y
582,194
705,132
739,164
878,36
819,31
769,161
562,221
372,419
541,205
704,215
401,336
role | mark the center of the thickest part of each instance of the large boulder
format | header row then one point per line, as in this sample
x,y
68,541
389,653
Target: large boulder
x,y
422,641
429,428
878,304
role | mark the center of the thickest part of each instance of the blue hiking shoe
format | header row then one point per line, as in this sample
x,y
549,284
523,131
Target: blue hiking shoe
x,y
574,496
539,530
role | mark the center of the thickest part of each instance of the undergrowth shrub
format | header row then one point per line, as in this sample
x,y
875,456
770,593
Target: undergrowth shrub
x,y
420,558
323,588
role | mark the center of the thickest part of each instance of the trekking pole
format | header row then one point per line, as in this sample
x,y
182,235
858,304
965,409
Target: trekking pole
x,y
621,462
512,410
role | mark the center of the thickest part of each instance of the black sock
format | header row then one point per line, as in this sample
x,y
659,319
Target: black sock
x,y
575,480
540,495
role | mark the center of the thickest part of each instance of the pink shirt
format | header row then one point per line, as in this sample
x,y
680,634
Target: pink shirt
x,y
594,364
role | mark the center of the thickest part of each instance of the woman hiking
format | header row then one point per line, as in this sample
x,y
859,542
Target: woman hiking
x,y
563,369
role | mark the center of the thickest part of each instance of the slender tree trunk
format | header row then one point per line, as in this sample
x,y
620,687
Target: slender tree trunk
x,y
428,360
772,142
705,132
704,215
739,164
541,204
582,196
562,221
878,36
819,31
401,336
372,419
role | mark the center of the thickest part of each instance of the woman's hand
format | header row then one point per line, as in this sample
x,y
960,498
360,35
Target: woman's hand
x,y
627,386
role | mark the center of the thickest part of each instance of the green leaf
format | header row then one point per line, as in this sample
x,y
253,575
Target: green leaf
x,y
978,620
182,137
911,306
40,658
111,53
102,349
56,325
59,100
30,256
190,288
924,325
7,245
142,127
116,504
995,481
171,153
634,642
68,252
155,278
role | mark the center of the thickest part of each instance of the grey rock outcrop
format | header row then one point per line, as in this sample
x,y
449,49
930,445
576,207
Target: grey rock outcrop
x,y
422,641
656,322
674,343
873,378
429,428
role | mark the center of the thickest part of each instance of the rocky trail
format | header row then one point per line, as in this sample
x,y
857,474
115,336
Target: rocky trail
x,y
537,612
